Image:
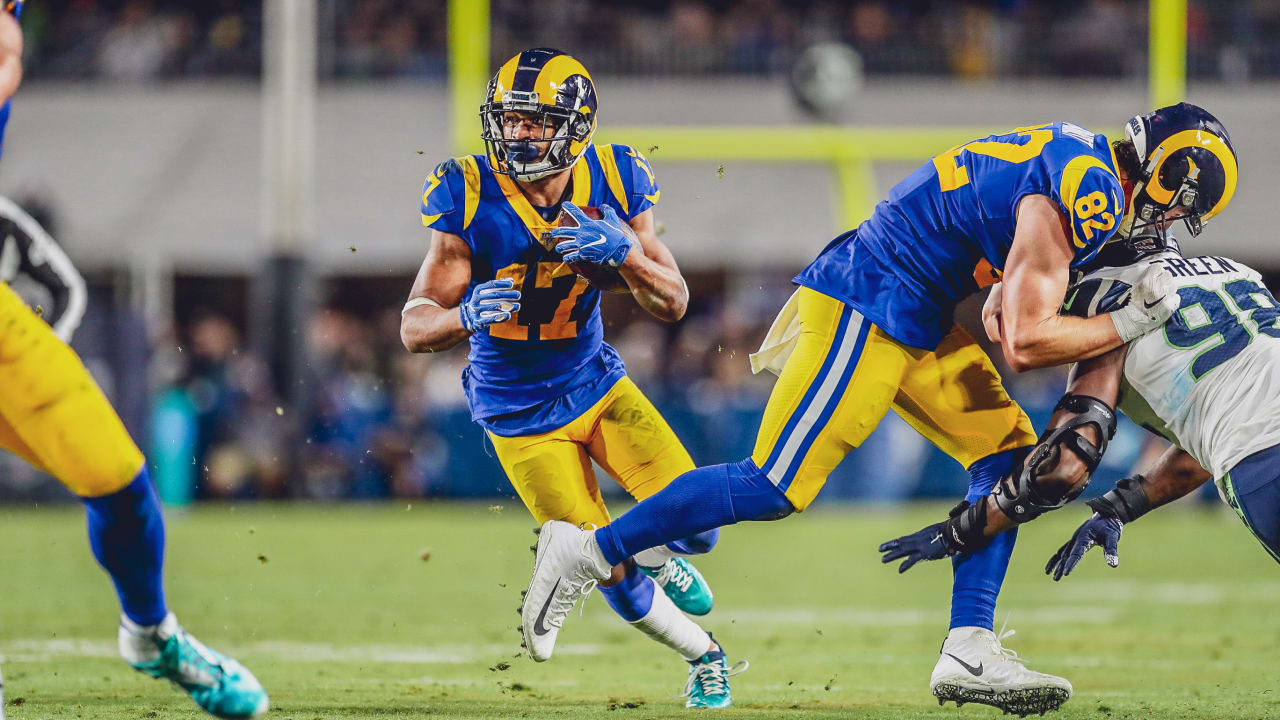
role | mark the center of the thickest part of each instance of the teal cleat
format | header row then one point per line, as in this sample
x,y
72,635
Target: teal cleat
x,y
682,582
218,684
708,685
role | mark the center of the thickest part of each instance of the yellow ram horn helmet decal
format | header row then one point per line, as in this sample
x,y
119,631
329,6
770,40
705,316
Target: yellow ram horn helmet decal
x,y
1201,140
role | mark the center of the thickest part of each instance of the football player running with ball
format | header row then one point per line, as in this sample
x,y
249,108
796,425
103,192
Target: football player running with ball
x,y
54,416
871,328
551,395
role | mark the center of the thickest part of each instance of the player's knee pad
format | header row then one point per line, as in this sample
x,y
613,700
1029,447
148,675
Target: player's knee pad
x,y
753,494
1029,492
697,544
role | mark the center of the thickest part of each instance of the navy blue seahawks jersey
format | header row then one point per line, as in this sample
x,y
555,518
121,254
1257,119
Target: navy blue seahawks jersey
x,y
945,231
548,363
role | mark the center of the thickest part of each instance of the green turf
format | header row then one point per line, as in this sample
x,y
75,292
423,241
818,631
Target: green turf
x,y
339,615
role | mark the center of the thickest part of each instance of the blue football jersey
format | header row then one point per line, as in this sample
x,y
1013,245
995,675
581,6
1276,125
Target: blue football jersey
x,y
945,230
548,363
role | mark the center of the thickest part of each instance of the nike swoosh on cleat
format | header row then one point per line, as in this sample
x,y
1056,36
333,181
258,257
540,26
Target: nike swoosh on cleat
x,y
975,671
1151,304
540,629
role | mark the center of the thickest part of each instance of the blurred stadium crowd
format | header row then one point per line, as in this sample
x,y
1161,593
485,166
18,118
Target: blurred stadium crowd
x,y
378,422
139,40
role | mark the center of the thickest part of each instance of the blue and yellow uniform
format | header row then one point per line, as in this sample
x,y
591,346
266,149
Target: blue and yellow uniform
x,y
551,394
52,413
875,308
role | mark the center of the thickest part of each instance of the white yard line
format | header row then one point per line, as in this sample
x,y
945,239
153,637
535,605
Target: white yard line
x,y
44,650
820,617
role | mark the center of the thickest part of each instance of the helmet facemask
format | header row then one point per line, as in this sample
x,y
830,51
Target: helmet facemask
x,y
1153,217
519,157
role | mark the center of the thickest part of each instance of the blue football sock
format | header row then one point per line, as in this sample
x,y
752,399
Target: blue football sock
x,y
977,577
126,532
699,544
695,502
632,597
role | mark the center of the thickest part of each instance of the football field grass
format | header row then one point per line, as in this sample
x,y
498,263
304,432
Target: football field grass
x,y
409,611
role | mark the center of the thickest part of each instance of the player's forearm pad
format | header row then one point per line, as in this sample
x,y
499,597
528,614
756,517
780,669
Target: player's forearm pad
x,y
964,530
1126,502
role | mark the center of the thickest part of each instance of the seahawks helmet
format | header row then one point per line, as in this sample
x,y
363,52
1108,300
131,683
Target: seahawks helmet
x,y
1187,162
553,86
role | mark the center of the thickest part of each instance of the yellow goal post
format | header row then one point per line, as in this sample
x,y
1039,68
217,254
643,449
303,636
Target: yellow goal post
x,y
850,151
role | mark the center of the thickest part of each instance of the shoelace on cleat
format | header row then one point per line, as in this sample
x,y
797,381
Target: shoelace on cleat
x,y
1000,637
565,598
198,666
1006,652
712,678
673,571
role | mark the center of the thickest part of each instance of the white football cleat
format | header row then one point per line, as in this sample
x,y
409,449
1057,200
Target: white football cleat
x,y
567,566
975,667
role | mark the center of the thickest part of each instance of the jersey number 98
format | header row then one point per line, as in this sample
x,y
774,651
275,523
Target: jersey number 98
x,y
1189,328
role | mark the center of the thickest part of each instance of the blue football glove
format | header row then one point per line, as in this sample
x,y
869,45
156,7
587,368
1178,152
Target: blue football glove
x,y
490,302
598,242
1097,530
926,544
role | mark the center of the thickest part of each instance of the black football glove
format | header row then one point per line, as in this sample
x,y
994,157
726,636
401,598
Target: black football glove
x,y
926,544
1097,530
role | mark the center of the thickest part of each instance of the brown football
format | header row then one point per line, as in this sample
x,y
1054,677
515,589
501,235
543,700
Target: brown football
x,y
601,278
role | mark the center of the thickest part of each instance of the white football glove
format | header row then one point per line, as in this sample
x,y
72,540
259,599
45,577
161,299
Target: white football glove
x,y
1151,302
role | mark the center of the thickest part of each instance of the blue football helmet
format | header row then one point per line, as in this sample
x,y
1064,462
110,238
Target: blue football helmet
x,y
1187,162
553,86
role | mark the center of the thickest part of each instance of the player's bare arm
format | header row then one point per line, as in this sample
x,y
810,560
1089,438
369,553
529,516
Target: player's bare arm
x,y
652,275
442,280
10,56
1056,471
1036,276
1173,475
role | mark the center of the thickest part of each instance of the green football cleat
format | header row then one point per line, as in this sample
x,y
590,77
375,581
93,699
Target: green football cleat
x,y
708,684
218,684
682,582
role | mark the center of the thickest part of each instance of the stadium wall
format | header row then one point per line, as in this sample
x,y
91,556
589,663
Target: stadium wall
x,y
172,173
